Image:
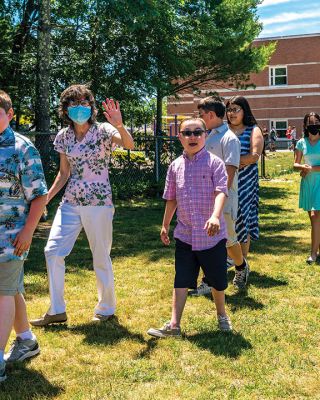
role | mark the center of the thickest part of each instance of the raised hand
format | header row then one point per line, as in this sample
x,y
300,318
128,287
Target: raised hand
x,y
112,112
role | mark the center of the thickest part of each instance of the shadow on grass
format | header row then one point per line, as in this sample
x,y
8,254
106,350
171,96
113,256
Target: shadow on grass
x,y
239,300
146,352
259,280
229,344
265,281
105,333
269,193
27,384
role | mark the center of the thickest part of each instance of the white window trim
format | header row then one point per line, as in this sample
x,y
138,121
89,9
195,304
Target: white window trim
x,y
272,123
273,67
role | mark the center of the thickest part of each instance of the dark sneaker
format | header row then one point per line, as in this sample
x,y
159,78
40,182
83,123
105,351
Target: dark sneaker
x,y
240,279
100,317
22,349
3,375
311,260
165,331
47,319
224,323
202,290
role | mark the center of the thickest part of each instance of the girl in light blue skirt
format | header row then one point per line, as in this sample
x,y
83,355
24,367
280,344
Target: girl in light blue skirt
x,y
308,148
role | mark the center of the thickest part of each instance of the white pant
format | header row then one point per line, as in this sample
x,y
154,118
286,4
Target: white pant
x,y
67,224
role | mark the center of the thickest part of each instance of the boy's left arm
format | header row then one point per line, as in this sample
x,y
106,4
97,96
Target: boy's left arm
x,y
23,239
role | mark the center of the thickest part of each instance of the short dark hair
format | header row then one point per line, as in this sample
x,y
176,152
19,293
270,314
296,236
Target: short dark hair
x,y
306,120
5,101
248,118
213,103
77,92
195,119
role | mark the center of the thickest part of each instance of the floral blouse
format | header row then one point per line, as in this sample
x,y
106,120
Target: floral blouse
x,y
89,183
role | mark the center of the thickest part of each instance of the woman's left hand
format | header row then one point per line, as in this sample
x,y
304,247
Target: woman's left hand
x,y
306,169
112,113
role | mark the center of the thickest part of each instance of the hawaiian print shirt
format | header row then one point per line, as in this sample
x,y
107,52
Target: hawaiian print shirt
x,y
21,181
89,183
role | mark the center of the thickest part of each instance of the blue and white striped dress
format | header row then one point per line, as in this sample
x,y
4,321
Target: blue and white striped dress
x,y
248,193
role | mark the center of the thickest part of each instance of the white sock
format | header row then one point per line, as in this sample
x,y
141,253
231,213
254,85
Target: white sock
x,y
26,335
1,355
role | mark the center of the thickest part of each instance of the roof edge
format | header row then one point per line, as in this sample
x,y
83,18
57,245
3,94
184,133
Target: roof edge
x,y
286,37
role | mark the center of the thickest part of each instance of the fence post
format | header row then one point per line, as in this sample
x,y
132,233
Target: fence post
x,y
263,166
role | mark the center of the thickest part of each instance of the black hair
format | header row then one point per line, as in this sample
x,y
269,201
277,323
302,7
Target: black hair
x,y
248,118
306,120
213,103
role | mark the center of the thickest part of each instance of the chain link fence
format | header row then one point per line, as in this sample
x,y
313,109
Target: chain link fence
x,y
142,172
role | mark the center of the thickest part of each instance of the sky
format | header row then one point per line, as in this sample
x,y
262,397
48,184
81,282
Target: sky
x,y
289,17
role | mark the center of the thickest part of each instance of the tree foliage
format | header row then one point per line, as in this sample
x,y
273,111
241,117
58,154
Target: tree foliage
x,y
134,51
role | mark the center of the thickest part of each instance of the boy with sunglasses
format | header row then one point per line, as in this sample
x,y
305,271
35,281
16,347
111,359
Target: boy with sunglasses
x,y
196,187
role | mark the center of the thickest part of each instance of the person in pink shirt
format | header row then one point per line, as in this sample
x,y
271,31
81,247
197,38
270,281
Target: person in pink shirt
x,y
84,147
196,187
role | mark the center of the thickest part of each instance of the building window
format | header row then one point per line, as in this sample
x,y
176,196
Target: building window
x,y
281,127
278,75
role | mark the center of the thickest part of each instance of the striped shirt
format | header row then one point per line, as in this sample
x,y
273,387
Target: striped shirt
x,y
193,183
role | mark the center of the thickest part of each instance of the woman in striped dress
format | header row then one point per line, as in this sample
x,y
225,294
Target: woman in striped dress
x,y
244,125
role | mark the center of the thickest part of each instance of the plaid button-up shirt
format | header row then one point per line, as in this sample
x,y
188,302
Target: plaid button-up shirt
x,y
193,183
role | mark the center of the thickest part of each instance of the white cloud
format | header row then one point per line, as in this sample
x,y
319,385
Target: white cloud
x,y
267,3
290,16
289,27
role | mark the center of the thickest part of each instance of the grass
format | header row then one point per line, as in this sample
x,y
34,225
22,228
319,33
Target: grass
x,y
272,354
278,163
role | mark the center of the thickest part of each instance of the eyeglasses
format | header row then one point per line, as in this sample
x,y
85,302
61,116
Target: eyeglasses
x,y
234,110
195,133
75,103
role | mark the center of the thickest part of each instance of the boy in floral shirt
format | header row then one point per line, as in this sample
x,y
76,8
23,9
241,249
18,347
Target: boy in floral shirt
x,y
22,200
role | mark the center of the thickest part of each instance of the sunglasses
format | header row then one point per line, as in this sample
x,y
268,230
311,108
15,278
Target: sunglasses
x,y
195,133
234,110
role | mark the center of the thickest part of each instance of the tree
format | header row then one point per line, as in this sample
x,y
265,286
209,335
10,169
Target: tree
x,y
131,50
190,42
42,111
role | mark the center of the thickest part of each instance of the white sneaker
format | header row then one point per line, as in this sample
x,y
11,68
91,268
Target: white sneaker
x,y
202,290
230,263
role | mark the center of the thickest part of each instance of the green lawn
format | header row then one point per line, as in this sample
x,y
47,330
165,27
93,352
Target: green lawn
x,y
278,163
272,354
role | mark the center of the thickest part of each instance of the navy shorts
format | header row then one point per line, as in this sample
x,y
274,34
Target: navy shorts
x,y
213,262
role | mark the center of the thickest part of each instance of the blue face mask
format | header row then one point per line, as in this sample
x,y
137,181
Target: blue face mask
x,y
79,114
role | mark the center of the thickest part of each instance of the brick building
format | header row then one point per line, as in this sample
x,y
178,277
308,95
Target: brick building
x,y
285,90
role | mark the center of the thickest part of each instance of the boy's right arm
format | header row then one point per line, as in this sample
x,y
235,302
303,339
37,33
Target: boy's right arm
x,y
61,178
169,211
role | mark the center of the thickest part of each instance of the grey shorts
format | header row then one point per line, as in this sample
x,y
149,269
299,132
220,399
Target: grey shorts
x,y
11,278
